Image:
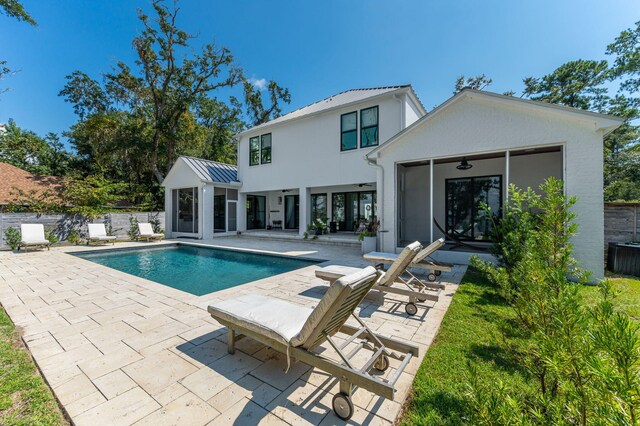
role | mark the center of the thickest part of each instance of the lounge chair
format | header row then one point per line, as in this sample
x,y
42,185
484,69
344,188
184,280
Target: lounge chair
x,y
387,280
422,260
33,236
297,330
97,232
146,232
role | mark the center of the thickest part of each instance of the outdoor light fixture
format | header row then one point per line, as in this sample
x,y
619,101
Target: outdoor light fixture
x,y
464,165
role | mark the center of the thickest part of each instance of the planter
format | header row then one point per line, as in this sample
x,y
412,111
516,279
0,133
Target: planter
x,y
369,244
318,232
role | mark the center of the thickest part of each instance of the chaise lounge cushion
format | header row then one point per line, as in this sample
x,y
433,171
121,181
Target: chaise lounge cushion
x,y
98,232
285,322
268,316
33,235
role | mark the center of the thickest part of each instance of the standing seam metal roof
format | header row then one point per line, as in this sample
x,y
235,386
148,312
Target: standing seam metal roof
x,y
212,171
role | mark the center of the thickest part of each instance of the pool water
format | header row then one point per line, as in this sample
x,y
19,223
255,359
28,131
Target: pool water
x,y
196,270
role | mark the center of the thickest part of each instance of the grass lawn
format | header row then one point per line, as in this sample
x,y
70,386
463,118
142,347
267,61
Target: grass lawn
x,y
471,333
25,399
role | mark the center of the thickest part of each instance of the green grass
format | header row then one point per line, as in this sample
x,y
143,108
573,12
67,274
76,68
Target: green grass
x,y
472,333
25,399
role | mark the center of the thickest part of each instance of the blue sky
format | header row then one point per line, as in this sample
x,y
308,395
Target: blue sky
x,y
316,49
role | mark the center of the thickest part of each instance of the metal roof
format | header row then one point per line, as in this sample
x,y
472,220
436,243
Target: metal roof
x,y
341,99
212,171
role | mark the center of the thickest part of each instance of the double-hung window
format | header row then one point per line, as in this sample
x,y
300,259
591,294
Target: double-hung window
x,y
369,127
260,150
349,131
265,148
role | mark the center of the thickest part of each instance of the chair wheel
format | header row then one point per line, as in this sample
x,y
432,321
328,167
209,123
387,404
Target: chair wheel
x,y
432,277
411,308
342,406
438,273
382,364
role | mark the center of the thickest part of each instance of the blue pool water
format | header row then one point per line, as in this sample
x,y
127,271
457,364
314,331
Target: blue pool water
x,y
196,270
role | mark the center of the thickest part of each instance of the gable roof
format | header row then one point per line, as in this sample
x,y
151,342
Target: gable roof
x,y
15,178
339,100
212,171
604,122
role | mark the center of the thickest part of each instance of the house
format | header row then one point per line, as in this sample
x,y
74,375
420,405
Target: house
x,y
14,180
377,152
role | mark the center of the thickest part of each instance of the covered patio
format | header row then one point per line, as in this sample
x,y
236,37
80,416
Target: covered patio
x,y
442,197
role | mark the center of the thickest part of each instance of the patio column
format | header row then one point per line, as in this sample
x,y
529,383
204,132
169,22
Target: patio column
x,y
241,214
431,200
206,212
305,209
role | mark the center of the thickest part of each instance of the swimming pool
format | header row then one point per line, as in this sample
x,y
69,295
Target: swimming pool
x,y
196,270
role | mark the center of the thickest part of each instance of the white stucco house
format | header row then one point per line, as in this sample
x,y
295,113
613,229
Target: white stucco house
x,y
377,153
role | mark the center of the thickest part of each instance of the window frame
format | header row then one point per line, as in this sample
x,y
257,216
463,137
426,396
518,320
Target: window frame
x,y
251,151
342,132
377,126
326,205
262,148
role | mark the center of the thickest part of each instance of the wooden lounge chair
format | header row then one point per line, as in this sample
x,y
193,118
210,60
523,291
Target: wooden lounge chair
x,y
97,232
32,235
145,231
422,260
387,280
297,330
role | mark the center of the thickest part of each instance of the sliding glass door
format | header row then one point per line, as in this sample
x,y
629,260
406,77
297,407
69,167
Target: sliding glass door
x,y
349,208
219,210
291,211
256,212
466,220
185,210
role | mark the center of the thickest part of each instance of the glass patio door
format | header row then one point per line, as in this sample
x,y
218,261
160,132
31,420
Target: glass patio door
x,y
219,210
256,212
292,211
466,220
185,210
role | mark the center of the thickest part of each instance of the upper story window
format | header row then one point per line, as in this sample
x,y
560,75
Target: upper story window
x,y
369,127
265,148
349,131
260,150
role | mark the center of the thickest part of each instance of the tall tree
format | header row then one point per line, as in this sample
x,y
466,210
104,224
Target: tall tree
x,y
478,82
14,9
626,51
258,112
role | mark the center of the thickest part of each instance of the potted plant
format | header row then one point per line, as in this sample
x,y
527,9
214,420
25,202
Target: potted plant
x,y
318,226
369,236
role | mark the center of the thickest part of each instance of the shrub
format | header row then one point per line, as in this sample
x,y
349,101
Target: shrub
x,y
74,237
586,362
12,237
154,220
133,231
51,236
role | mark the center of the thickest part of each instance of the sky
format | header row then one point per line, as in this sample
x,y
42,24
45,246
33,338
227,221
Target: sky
x,y
314,48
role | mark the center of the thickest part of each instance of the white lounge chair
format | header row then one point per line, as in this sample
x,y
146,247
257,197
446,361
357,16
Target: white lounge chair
x,y
97,232
32,235
387,280
297,330
422,260
146,232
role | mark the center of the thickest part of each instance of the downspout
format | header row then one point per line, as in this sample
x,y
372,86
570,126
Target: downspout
x,y
380,199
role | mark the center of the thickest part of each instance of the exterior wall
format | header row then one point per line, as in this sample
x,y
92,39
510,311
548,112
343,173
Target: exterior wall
x,y
474,125
63,224
306,152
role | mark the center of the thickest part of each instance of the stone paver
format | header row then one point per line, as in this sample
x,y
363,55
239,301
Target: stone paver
x,y
119,349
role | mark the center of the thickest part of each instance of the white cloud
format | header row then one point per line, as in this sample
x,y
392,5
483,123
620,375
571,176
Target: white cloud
x,y
260,84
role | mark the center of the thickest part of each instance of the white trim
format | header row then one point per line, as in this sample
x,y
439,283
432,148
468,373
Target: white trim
x,y
431,164
607,123
507,158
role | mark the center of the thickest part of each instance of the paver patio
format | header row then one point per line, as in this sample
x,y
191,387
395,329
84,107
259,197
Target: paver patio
x,y
118,349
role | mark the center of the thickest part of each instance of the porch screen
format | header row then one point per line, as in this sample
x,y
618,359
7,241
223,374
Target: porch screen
x,y
464,197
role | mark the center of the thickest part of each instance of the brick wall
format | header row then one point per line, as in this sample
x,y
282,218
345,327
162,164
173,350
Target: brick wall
x,y
63,224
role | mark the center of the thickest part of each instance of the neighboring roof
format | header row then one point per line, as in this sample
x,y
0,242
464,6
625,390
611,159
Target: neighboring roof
x,y
212,171
604,122
340,100
14,177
